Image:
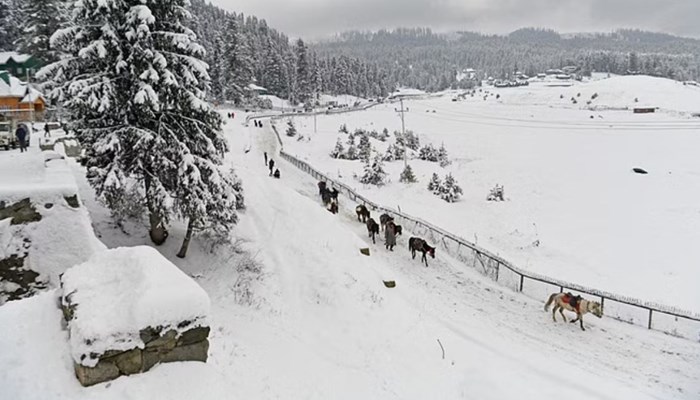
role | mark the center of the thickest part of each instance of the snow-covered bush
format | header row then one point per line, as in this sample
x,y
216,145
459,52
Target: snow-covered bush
x,y
496,194
407,176
364,148
442,157
291,129
428,153
435,183
449,190
343,129
339,150
412,141
374,172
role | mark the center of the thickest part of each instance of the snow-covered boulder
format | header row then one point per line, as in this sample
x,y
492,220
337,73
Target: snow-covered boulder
x,y
130,308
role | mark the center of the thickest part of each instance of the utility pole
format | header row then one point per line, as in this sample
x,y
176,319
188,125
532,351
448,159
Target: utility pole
x,y
403,134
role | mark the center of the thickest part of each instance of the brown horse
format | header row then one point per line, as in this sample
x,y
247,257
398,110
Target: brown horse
x,y
418,244
333,206
383,219
362,213
372,229
563,301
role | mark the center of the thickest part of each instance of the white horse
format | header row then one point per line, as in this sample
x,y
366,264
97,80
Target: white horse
x,y
562,302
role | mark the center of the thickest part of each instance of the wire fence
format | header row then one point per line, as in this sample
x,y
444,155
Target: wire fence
x,y
671,320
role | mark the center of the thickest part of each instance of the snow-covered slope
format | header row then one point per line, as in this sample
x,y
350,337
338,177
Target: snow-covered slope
x,y
325,326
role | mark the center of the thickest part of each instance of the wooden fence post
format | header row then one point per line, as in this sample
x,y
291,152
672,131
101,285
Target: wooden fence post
x,y
522,278
650,312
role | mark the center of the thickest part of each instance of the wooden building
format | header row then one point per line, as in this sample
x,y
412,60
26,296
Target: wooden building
x,y
18,100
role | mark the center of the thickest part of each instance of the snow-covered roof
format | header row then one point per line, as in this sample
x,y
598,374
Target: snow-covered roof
x,y
5,56
32,96
18,88
119,292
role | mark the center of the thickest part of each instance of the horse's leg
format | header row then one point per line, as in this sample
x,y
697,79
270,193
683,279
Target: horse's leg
x,y
580,318
561,311
413,254
554,313
425,259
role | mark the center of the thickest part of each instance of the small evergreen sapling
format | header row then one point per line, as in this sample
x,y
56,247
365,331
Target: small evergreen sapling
x,y
291,129
339,150
449,190
434,184
374,172
407,175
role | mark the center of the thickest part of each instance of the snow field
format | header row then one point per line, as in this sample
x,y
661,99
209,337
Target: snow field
x,y
568,184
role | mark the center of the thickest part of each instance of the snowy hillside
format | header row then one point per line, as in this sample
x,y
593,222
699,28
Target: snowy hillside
x,y
320,323
574,209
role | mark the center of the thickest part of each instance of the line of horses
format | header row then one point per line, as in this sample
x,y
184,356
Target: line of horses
x,y
386,223
561,301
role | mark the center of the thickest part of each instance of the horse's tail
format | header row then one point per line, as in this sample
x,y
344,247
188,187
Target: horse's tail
x,y
549,302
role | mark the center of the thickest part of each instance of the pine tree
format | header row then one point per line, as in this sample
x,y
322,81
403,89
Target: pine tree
x,y
339,150
428,153
374,172
442,157
435,183
407,175
343,129
389,154
134,85
9,28
291,129
303,71
449,190
364,148
39,20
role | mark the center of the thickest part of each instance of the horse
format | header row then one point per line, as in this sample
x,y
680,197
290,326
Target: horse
x,y
362,213
398,229
562,301
326,196
383,219
418,244
372,229
333,207
321,187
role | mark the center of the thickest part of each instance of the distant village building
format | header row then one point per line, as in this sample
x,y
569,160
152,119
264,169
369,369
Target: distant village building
x,y
256,89
20,65
18,100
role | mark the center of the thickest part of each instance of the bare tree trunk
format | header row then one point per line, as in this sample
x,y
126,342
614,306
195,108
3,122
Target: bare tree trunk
x,y
157,230
186,242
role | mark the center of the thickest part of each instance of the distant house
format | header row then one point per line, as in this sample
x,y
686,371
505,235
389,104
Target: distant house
x,y
17,64
256,89
18,99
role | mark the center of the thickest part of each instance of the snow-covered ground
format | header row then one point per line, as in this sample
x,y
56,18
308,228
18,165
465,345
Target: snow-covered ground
x,y
318,322
568,179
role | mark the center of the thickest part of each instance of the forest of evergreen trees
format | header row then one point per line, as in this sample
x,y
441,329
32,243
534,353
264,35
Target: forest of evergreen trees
x,y
426,60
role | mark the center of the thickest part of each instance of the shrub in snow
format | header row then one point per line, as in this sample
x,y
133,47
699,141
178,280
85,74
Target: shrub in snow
x,y
496,194
407,175
134,84
291,129
374,172
435,183
384,135
130,308
449,190
428,153
351,154
339,150
364,148
442,157
412,141
343,129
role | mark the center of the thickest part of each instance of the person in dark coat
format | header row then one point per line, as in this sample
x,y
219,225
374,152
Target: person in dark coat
x,y
265,153
272,165
21,134
47,131
390,236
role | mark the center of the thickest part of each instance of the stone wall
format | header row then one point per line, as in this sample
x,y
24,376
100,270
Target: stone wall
x,y
160,347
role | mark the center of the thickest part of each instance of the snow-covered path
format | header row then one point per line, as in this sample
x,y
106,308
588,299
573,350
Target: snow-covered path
x,y
324,326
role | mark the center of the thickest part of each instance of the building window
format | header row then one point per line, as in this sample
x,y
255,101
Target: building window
x,y
19,71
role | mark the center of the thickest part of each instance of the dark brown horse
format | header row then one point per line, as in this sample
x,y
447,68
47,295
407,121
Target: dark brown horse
x,y
383,219
372,229
362,213
398,229
418,244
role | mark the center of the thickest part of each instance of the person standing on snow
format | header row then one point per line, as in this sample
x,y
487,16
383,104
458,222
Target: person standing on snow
x,y
390,236
21,134
272,166
265,153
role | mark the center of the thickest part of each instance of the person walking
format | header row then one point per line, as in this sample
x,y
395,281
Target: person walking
x,y
265,153
47,131
272,166
390,236
21,134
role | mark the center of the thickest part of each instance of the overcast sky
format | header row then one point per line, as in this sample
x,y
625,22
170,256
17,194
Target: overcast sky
x,y
313,19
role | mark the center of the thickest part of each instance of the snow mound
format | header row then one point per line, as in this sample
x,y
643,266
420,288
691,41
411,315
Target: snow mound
x,y
118,292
